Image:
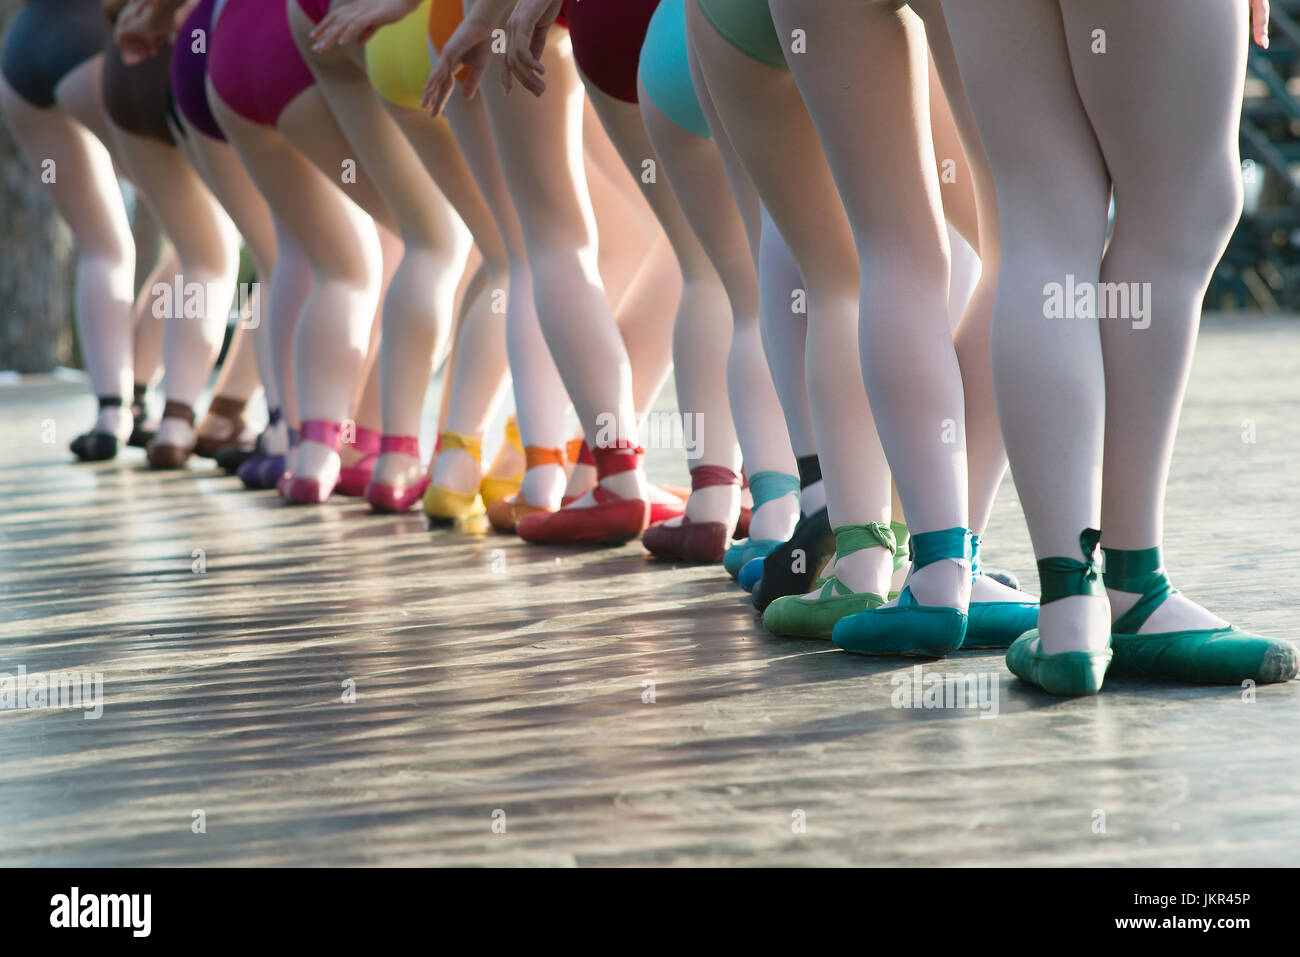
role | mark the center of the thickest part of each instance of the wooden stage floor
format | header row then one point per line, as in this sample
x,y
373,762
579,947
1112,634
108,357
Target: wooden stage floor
x,y
517,705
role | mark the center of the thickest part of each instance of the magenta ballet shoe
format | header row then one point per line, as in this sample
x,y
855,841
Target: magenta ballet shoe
x,y
304,490
353,479
386,497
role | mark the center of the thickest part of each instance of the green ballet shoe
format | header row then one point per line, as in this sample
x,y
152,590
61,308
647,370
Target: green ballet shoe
x,y
1066,673
996,624
802,616
909,628
1201,655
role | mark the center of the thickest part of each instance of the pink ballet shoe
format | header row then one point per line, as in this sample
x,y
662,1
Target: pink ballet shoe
x,y
302,490
385,497
353,479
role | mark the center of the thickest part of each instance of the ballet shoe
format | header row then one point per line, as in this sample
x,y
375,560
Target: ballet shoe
x,y
909,628
750,573
791,567
386,497
232,411
306,489
741,553
1225,655
353,479
229,458
666,511
690,541
610,521
262,471
505,513
815,616
141,434
97,446
445,506
1066,673
165,456
493,488
995,624
742,524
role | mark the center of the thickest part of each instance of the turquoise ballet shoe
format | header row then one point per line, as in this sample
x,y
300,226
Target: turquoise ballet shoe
x,y
996,624
910,628
738,554
1201,655
814,616
1066,673
764,487
750,573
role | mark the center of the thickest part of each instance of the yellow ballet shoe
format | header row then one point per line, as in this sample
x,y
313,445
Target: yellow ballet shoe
x,y
493,488
446,506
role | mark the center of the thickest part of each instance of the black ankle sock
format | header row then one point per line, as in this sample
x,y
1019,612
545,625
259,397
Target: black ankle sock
x,y
791,568
810,470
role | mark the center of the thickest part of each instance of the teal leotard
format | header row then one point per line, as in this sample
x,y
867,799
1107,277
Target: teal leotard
x,y
747,24
666,71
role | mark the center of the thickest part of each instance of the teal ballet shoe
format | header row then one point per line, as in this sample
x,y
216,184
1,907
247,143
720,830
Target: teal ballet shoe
x,y
1200,655
738,554
764,487
814,616
996,624
750,573
1066,673
909,628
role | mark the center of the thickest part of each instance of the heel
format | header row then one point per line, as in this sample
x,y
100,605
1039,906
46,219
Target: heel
x,y
306,490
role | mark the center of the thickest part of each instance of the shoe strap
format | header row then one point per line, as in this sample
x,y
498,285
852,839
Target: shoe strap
x,y
228,408
274,416
512,436
710,476
472,445
580,452
615,459
400,445
323,431
926,548
1062,577
1141,572
854,538
177,410
139,392
901,537
366,440
768,486
110,402
536,456
810,470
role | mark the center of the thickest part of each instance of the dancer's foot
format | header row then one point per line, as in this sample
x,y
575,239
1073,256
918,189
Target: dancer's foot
x,y
223,426
142,429
504,475
617,510
399,479
699,535
543,472
1159,633
173,443
357,461
314,466
452,495
791,567
112,427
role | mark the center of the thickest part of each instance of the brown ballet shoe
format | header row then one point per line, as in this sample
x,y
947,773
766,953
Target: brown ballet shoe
x,y
232,411
171,456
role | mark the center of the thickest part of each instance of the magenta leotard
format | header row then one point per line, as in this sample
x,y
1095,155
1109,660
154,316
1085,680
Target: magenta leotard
x,y
253,62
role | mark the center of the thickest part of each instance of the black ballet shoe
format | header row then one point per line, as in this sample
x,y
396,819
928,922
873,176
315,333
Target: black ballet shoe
x,y
791,568
96,446
140,436
230,457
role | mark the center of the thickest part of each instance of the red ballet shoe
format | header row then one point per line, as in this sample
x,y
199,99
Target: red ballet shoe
x,y
301,490
665,511
353,479
611,521
386,497
742,523
698,542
